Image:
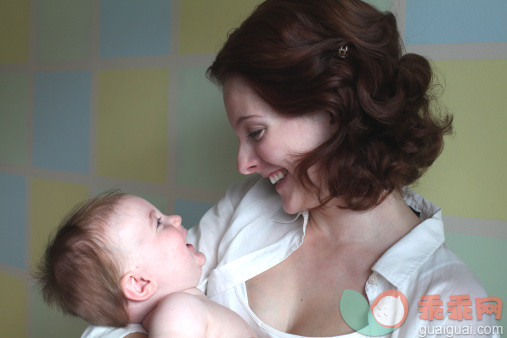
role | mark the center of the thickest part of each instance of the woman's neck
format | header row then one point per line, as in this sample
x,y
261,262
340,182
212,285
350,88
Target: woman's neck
x,y
382,225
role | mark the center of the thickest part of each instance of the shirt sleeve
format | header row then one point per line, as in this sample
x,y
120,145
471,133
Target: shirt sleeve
x,y
207,235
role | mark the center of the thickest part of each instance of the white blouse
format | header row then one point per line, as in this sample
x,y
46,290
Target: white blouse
x,y
247,233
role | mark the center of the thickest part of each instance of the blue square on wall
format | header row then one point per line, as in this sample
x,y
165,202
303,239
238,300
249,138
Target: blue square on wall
x,y
61,121
191,212
455,21
134,28
13,220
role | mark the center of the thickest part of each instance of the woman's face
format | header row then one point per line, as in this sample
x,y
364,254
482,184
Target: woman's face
x,y
268,141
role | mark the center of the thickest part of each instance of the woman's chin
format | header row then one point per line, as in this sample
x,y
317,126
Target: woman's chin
x,y
290,207
295,202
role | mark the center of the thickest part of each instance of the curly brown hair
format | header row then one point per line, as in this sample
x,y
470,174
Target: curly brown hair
x,y
381,101
79,272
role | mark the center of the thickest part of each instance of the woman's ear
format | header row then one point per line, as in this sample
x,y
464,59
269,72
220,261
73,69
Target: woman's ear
x,y
138,287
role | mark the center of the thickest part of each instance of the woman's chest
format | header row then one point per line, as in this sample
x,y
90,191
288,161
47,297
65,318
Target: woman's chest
x,y
301,295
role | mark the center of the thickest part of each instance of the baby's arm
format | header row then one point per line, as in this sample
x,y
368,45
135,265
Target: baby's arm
x,y
179,314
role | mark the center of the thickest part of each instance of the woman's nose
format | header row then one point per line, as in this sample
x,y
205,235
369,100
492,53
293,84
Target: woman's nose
x,y
248,161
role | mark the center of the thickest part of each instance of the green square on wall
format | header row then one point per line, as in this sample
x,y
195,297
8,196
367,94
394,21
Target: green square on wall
x,y
63,30
13,118
206,144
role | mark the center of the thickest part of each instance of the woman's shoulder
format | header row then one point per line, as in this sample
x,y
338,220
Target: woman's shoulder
x,y
449,275
443,292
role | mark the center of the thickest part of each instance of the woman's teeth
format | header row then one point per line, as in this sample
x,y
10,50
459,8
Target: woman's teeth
x,y
277,176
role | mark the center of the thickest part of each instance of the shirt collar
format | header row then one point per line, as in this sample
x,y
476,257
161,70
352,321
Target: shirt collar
x,y
406,256
282,217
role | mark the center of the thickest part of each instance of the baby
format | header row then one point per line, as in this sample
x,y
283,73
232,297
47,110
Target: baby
x,y
117,260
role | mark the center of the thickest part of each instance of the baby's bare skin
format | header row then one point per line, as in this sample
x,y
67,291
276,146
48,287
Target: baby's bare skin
x,y
191,314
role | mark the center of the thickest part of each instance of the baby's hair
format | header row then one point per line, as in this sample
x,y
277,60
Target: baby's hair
x,y
79,272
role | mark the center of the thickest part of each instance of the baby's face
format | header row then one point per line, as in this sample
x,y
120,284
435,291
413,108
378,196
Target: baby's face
x,y
157,245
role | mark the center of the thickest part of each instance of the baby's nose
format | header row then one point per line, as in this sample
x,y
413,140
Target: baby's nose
x,y
175,220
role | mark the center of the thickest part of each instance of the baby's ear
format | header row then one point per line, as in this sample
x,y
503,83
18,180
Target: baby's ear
x,y
137,287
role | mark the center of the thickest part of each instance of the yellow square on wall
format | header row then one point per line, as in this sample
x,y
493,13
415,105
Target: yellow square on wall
x,y
468,179
204,24
13,316
14,31
132,124
51,201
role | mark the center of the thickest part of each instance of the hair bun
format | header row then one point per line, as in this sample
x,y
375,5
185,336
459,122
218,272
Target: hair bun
x,y
414,78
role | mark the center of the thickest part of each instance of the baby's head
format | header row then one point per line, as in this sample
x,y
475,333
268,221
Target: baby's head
x,y
115,255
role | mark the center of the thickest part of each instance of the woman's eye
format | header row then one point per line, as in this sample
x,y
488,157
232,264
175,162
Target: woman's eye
x,y
256,134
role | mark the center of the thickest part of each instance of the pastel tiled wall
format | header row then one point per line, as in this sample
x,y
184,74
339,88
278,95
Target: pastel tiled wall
x,y
103,94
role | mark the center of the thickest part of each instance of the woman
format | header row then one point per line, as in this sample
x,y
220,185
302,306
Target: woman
x,y
337,122
325,105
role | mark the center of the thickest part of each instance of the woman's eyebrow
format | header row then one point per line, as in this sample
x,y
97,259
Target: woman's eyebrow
x,y
243,118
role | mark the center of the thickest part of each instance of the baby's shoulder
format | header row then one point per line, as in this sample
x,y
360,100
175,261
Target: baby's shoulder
x,y
188,300
180,313
194,315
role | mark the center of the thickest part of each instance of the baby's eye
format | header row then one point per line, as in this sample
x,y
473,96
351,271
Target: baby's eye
x,y
159,221
257,134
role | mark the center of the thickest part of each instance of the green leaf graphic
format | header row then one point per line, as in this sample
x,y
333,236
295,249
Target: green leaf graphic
x,y
355,311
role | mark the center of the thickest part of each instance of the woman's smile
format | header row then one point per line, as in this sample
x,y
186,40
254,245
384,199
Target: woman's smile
x,y
270,144
276,176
